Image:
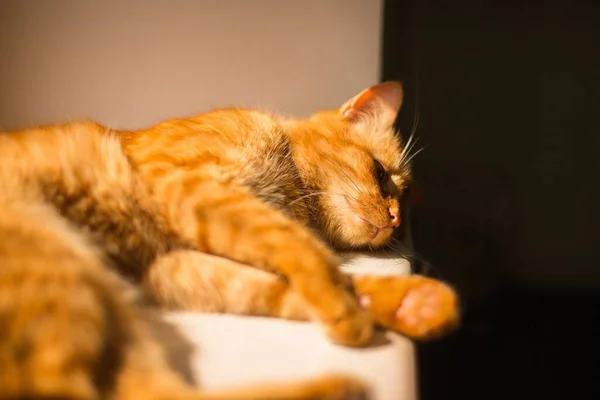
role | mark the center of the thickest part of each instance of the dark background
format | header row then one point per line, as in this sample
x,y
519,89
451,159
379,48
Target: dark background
x,y
507,94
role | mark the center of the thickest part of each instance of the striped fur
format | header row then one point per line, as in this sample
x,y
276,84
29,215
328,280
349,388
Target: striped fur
x,y
233,211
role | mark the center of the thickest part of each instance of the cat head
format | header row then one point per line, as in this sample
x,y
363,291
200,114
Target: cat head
x,y
352,159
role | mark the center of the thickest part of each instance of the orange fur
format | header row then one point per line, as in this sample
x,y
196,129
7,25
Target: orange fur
x,y
233,211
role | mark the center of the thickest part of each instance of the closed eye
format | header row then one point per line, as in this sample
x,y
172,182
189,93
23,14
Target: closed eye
x,y
380,172
382,177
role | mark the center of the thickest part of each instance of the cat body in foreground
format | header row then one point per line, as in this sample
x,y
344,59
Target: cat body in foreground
x,y
233,211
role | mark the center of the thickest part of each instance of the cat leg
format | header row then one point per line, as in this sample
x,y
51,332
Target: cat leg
x,y
194,281
145,373
190,280
415,306
68,332
235,225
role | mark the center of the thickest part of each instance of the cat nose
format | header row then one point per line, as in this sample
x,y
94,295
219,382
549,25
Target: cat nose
x,y
395,219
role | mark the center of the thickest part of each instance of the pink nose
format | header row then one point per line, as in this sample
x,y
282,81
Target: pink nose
x,y
395,219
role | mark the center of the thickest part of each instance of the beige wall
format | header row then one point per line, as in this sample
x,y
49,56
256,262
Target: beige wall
x,y
132,63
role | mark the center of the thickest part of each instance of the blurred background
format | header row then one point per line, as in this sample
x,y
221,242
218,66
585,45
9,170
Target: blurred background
x,y
505,91
136,62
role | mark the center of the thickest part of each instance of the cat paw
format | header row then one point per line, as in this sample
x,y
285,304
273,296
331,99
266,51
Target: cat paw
x,y
428,310
338,387
353,326
415,306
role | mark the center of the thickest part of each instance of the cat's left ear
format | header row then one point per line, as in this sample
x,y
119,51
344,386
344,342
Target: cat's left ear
x,y
382,102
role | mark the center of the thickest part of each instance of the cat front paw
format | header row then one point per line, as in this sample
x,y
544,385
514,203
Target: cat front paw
x,y
349,325
339,387
415,306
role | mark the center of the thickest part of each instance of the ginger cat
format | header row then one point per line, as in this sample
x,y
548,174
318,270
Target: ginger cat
x,y
233,211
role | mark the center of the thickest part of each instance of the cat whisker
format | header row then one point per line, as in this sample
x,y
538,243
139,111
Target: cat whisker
x,y
417,117
406,147
304,197
405,155
412,255
406,163
395,244
410,143
358,188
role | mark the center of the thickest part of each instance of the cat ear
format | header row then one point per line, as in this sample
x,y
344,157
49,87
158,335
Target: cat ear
x,y
381,101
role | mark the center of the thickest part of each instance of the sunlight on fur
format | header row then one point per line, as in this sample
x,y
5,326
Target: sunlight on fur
x,y
232,211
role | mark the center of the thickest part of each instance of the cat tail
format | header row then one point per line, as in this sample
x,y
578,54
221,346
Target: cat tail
x,y
55,313
329,387
67,329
